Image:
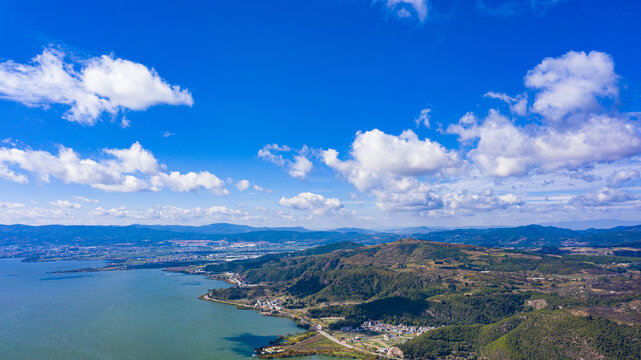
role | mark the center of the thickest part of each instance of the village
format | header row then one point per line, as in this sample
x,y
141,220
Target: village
x,y
269,305
381,327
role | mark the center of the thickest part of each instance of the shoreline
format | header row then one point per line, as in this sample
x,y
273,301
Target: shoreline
x,y
350,350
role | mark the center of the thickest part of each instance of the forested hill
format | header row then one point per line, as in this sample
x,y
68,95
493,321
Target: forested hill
x,y
534,236
523,237
484,302
24,235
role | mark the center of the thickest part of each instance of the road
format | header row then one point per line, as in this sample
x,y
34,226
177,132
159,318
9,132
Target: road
x,y
334,339
329,336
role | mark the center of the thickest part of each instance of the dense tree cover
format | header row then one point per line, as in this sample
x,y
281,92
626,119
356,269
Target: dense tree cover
x,y
482,308
559,335
237,293
307,285
555,301
542,263
533,236
457,339
344,271
539,335
478,296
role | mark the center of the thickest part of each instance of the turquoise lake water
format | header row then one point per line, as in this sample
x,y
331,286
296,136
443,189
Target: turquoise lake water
x,y
138,314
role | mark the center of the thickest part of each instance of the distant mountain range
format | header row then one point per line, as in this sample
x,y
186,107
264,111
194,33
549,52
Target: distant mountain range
x,y
90,235
535,236
523,237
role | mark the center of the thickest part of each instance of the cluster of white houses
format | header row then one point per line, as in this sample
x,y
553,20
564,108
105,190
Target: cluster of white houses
x,y
382,327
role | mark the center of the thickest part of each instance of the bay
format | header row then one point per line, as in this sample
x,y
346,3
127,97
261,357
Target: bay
x,y
136,314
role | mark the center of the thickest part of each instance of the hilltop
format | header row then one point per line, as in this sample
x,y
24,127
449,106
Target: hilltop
x,y
477,301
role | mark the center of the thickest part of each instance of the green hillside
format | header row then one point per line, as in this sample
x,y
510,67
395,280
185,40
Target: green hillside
x,y
483,301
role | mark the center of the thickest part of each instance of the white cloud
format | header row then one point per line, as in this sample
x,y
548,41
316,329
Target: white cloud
x,y
101,84
603,197
418,197
405,8
297,167
505,149
133,159
620,177
190,181
518,104
577,130
300,167
65,204
172,214
377,156
262,189
242,185
124,170
572,83
424,118
407,195
125,123
485,201
86,200
310,201
567,140
11,205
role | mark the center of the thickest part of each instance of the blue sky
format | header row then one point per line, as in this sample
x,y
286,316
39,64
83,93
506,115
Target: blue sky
x,y
340,112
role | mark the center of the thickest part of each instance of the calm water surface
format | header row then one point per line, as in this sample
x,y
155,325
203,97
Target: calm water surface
x,y
138,314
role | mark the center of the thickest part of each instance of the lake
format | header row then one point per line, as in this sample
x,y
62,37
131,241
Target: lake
x,y
136,314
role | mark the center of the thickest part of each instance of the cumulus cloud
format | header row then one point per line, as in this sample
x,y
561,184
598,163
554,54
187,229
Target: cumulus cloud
x,y
190,181
65,204
242,185
167,213
90,87
566,134
603,197
572,83
485,201
123,170
377,157
310,201
577,129
422,198
297,167
391,167
407,195
505,149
